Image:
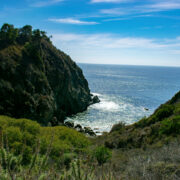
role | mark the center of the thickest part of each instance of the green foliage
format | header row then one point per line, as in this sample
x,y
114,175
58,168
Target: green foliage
x,y
118,127
171,126
162,112
8,35
24,34
154,130
165,111
9,163
22,136
42,159
67,159
141,123
102,154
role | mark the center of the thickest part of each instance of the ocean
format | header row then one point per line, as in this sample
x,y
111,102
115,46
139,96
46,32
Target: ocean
x,y
125,92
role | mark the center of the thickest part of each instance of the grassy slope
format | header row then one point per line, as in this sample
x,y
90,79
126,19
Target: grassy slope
x,y
148,149
161,127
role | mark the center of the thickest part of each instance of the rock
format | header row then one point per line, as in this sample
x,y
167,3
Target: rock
x,y
97,132
69,124
79,128
89,131
146,109
95,99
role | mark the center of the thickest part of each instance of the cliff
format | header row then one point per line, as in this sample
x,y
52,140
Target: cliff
x,y
38,81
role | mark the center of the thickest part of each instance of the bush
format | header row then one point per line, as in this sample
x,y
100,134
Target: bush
x,y
118,127
171,126
102,154
164,112
23,135
141,123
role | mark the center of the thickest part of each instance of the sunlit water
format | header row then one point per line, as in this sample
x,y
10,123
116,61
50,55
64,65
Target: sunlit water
x,y
125,92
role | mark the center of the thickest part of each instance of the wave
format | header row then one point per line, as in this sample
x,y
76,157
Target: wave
x,y
106,106
111,110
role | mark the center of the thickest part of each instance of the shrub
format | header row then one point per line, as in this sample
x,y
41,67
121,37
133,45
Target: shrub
x,y
141,123
21,137
102,155
164,112
118,127
161,113
171,126
67,158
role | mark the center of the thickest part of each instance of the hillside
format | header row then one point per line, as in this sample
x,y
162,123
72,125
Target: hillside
x,y
159,128
40,85
148,149
38,81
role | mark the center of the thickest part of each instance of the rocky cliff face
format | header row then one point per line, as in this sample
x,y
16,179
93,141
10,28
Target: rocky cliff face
x,y
38,81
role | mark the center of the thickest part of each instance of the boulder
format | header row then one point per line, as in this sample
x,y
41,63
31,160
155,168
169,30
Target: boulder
x,y
79,128
95,99
69,124
89,131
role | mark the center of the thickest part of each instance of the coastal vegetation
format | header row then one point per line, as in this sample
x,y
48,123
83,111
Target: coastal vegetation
x,y
39,86
38,81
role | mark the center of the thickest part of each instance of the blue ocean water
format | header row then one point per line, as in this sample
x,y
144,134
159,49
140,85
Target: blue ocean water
x,y
125,91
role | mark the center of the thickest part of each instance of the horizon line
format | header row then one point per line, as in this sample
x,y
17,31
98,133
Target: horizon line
x,y
173,66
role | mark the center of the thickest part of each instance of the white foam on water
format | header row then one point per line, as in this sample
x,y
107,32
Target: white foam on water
x,y
97,94
110,111
106,106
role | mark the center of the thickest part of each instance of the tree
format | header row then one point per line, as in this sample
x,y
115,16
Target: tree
x,y
25,34
8,35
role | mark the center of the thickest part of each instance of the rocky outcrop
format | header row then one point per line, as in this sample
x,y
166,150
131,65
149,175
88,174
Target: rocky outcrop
x,y
38,81
79,128
86,130
69,124
94,99
89,131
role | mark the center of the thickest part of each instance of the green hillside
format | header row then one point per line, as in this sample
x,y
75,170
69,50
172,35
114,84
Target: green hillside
x,y
159,128
148,149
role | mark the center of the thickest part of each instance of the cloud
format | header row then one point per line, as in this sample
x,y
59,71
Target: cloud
x,y
161,6
73,21
108,1
149,7
114,49
45,3
111,41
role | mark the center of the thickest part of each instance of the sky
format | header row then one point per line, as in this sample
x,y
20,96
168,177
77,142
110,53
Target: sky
x,y
136,32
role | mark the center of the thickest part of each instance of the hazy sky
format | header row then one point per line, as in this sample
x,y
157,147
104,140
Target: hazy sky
x,y
141,32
